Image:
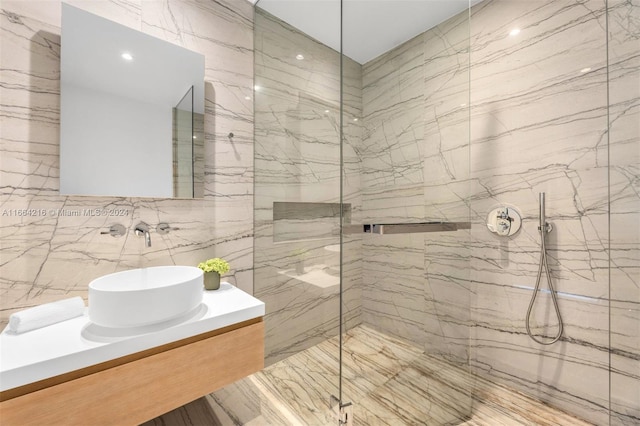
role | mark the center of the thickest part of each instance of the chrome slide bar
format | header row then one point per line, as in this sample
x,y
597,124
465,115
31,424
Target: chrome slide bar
x,y
405,228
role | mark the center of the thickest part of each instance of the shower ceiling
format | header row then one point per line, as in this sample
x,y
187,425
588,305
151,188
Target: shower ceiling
x,y
371,27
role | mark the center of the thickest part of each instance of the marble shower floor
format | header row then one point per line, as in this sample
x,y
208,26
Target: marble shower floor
x,y
390,382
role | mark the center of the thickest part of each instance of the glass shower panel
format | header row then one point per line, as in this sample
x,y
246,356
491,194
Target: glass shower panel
x,y
406,160
624,160
539,125
297,200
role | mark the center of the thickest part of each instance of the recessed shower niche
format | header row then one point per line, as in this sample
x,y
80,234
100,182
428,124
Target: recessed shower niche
x,y
300,221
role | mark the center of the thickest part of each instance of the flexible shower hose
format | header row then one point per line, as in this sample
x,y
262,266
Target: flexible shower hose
x,y
543,264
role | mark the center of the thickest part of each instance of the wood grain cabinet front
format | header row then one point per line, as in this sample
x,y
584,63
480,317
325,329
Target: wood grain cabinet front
x,y
140,387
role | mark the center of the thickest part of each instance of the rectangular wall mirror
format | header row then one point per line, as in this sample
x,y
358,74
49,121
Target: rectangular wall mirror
x,y
131,112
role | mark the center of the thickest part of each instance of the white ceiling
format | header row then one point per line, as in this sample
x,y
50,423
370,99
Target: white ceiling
x,y
371,27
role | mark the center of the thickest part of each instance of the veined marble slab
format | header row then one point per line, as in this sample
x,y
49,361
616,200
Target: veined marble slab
x,y
52,255
535,107
297,160
389,382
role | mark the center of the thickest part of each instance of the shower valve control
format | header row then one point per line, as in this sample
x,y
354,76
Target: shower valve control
x,y
504,221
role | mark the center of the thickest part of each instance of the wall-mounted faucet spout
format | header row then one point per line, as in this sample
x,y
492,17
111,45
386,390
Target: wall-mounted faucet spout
x,y
142,229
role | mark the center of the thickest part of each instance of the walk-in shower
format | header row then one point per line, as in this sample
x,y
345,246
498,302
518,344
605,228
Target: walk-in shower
x,y
413,116
362,163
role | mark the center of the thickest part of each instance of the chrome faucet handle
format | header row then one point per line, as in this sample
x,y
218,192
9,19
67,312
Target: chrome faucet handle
x,y
142,229
503,213
116,230
164,228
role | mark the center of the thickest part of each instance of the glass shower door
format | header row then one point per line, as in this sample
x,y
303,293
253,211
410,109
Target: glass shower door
x,y
624,208
406,164
297,203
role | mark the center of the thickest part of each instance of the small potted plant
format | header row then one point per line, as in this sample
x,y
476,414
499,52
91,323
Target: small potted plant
x,y
213,268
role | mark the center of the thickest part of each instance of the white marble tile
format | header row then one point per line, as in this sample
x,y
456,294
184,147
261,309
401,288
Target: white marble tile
x,y
393,204
562,374
393,121
447,321
53,256
537,124
624,157
393,284
297,159
125,12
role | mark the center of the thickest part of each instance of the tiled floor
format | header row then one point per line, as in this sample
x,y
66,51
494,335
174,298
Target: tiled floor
x,y
390,383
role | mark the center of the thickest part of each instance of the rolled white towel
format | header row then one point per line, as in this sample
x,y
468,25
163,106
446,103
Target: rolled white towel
x,y
47,314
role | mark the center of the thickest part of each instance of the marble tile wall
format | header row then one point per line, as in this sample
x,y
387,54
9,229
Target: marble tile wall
x,y
297,160
415,157
392,181
624,172
49,253
538,123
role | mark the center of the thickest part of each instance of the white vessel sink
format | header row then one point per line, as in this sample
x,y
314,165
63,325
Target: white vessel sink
x,y
145,296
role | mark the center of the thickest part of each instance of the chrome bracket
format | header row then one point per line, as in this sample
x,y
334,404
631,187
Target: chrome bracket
x,y
342,413
547,227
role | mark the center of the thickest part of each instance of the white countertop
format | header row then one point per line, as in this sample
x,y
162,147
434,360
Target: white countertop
x,y
64,347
